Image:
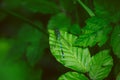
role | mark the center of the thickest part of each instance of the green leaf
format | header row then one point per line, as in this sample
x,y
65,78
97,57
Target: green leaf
x,y
13,71
116,67
18,70
18,49
115,41
101,65
72,57
59,21
75,29
5,46
95,31
29,34
73,76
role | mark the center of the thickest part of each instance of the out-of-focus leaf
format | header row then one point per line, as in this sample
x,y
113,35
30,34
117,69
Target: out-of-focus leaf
x,y
40,6
67,5
108,9
115,41
11,4
117,68
72,57
5,46
18,70
18,49
118,77
75,29
59,21
29,34
95,31
101,65
33,40
73,76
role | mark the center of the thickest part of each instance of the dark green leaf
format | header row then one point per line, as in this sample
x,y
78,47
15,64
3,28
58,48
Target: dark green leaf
x,y
67,5
108,9
118,77
117,68
12,4
42,6
115,41
72,57
72,76
75,29
35,6
32,39
101,65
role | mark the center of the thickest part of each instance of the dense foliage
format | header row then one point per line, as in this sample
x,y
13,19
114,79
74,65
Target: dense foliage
x,y
59,40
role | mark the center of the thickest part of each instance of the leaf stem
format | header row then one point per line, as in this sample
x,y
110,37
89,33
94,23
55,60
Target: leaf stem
x,y
25,20
90,12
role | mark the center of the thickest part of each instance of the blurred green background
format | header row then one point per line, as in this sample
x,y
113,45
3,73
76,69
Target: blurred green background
x,y
24,47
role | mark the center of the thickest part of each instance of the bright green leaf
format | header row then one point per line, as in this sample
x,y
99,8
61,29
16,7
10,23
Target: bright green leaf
x,y
101,65
115,41
72,57
73,76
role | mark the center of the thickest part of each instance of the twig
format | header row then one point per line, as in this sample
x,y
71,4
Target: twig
x,y
90,12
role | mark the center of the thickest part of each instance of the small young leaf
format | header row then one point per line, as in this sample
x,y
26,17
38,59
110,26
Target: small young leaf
x,y
59,21
75,29
72,57
115,41
73,76
101,65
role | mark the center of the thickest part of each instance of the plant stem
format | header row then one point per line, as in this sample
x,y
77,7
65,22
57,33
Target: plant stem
x,y
25,20
90,12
